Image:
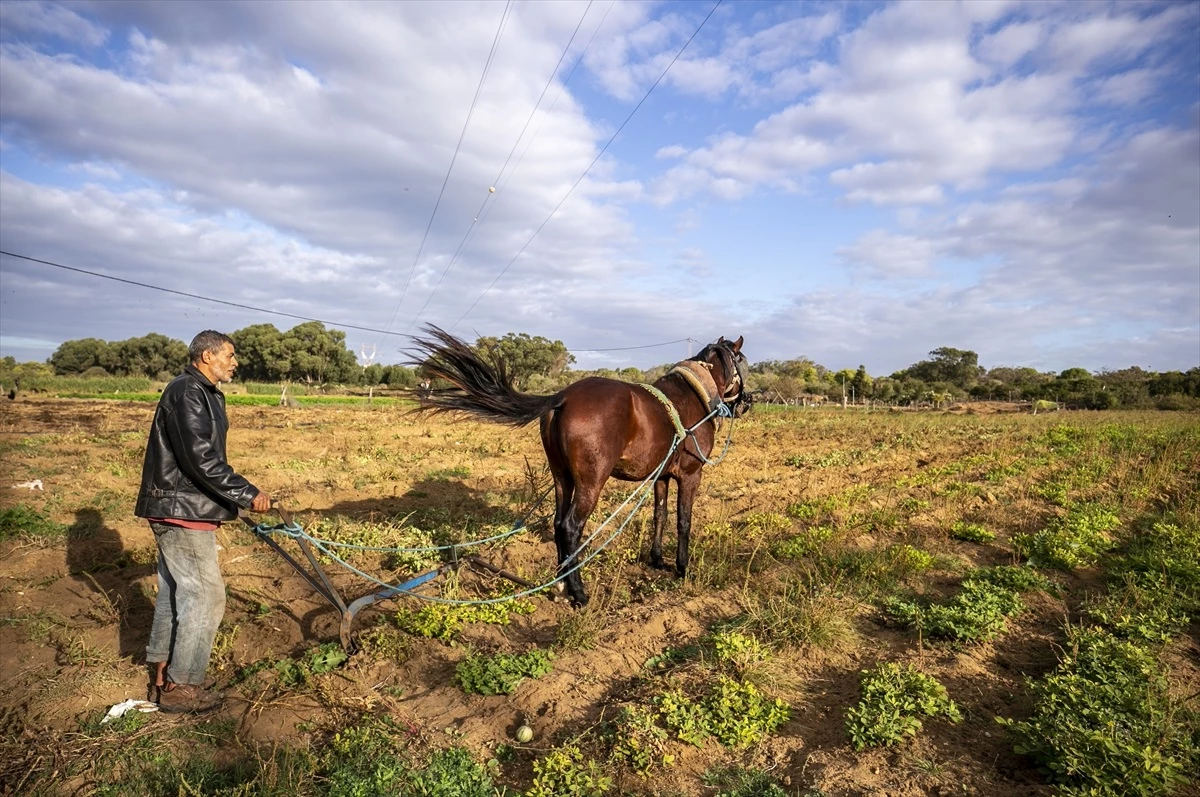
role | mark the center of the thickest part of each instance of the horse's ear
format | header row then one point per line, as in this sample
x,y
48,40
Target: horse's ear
x,y
737,344
720,340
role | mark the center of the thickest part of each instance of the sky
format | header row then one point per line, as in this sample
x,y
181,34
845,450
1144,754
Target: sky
x,y
857,183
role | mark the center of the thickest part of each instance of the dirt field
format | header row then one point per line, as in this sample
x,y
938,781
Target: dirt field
x,y
879,492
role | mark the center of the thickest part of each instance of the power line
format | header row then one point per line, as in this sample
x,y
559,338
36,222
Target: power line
x,y
480,213
445,181
600,154
267,311
197,296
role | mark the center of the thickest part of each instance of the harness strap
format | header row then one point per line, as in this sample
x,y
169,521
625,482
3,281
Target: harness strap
x,y
680,431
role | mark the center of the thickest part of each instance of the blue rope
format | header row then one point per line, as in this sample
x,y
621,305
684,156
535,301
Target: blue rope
x,y
295,531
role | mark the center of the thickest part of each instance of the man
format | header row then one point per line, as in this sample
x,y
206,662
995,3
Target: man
x,y
187,490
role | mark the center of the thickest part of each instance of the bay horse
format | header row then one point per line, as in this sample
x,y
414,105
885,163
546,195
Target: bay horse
x,y
599,428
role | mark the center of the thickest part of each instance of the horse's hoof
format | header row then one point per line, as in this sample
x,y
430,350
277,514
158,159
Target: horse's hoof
x,y
579,601
659,565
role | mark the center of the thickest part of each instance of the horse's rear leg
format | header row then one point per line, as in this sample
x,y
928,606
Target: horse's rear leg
x,y
660,522
568,536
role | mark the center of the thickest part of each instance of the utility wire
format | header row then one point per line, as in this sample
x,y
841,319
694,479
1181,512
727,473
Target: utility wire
x,y
479,214
600,154
265,310
445,181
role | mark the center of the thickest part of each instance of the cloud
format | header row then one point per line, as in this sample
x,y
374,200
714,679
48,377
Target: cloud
x,y
912,110
37,19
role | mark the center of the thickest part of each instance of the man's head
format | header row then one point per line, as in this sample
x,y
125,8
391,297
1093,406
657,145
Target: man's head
x,y
212,354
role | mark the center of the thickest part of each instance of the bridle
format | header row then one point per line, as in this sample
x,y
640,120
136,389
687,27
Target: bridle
x,y
734,395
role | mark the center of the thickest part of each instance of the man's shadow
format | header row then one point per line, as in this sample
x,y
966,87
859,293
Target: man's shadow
x,y
97,559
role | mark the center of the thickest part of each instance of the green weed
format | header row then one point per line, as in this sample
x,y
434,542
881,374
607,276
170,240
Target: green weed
x,y
444,621
971,532
566,772
734,712
739,782
1104,723
1076,539
892,699
638,742
26,523
502,673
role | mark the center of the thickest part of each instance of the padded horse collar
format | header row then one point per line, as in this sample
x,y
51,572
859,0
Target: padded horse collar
x,y
697,375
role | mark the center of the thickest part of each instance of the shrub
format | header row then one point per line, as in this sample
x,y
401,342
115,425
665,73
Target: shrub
x,y
1103,722
892,698
739,714
502,673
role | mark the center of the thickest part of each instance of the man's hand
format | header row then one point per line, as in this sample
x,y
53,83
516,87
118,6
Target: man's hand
x,y
261,503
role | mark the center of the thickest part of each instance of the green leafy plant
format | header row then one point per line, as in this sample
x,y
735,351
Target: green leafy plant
x,y
25,522
566,772
298,673
1076,539
893,697
804,543
737,648
1017,578
444,621
1104,722
979,611
971,532
1143,607
739,782
738,714
638,741
502,673
735,712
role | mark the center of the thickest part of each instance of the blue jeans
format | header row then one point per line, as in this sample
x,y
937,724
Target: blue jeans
x,y
190,603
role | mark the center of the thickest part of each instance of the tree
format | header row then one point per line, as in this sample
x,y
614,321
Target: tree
x,y
398,376
258,352
312,353
526,355
958,367
150,355
76,356
862,382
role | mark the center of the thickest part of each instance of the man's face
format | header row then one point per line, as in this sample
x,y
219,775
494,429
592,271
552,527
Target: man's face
x,y
221,364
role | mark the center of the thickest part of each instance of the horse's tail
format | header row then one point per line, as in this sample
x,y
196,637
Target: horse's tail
x,y
481,388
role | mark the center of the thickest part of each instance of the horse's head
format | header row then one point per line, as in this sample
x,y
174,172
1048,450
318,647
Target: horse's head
x,y
728,368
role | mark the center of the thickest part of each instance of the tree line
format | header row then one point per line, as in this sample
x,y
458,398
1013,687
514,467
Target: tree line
x,y
310,353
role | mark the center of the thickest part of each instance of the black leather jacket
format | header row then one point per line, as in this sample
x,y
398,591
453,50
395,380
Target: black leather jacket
x,y
185,474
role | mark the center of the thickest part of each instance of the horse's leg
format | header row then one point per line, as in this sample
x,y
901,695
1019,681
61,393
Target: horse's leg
x,y
582,504
660,521
685,494
564,489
